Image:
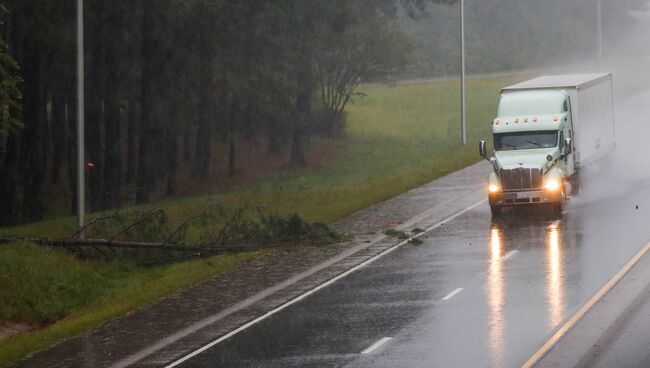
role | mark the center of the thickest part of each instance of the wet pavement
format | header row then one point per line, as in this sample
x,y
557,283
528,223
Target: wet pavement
x,y
476,293
614,332
507,308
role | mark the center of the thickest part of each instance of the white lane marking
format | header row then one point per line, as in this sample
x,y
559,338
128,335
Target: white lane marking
x,y
376,345
510,254
452,294
559,334
317,288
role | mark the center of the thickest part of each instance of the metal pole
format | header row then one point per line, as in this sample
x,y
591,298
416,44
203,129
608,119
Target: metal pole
x,y
81,167
599,21
462,73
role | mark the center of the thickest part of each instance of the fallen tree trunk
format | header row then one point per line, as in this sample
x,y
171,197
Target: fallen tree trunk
x,y
64,243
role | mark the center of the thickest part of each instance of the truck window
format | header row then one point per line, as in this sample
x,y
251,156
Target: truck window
x,y
525,140
561,140
565,108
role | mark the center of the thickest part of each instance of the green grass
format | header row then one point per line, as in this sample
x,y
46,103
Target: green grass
x,y
40,285
397,138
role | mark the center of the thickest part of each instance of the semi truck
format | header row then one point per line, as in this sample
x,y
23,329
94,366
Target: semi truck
x,y
546,129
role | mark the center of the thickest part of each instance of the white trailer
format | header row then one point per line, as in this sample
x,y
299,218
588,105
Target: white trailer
x,y
545,130
591,99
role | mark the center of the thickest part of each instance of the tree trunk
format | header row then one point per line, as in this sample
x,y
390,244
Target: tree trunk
x,y
172,164
145,157
275,142
298,148
187,148
303,108
203,154
71,153
235,114
94,98
9,182
113,153
132,142
59,130
33,142
231,155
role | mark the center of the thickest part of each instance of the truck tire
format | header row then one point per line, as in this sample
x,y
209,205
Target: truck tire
x,y
557,208
495,210
576,186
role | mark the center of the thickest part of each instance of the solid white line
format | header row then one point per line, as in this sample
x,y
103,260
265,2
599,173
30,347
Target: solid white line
x,y
317,288
559,334
510,254
376,345
452,294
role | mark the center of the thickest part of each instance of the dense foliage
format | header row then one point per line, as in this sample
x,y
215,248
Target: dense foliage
x,y
166,80
10,94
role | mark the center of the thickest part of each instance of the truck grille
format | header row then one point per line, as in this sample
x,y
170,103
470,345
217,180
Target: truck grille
x,y
521,178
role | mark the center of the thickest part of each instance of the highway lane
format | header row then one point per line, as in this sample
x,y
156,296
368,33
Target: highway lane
x,y
476,292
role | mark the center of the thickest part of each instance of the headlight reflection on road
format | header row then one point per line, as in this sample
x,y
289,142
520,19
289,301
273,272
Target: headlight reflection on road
x,y
496,297
555,287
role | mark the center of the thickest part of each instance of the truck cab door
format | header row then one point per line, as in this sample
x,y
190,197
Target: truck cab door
x,y
567,132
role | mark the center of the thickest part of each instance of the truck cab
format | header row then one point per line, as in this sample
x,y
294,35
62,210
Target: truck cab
x,y
533,155
545,130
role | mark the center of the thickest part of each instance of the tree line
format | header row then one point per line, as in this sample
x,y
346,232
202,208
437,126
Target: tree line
x,y
166,79
516,35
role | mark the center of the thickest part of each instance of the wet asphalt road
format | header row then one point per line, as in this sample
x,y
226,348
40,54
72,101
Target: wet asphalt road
x,y
515,280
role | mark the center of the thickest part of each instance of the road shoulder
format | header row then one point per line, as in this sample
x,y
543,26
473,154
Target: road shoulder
x,y
176,325
614,331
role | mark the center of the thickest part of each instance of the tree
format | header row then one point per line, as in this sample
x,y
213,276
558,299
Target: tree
x,y
10,95
10,104
365,47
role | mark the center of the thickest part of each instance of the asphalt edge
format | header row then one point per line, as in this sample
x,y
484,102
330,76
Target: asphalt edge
x,y
571,322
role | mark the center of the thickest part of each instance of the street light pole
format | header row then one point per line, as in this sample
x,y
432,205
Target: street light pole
x,y
462,73
81,167
599,23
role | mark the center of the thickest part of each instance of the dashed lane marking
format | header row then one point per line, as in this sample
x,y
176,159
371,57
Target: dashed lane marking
x,y
510,254
376,345
317,288
452,294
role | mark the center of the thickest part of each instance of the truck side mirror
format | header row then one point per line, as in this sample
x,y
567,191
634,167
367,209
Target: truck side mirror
x,y
567,146
482,149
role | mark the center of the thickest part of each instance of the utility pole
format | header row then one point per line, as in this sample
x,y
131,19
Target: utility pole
x,y
462,73
599,23
81,167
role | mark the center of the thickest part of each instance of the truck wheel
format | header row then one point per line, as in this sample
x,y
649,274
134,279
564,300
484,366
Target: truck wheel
x,y
576,186
496,210
557,208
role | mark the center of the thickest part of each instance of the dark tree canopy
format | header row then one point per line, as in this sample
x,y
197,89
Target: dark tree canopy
x,y
173,87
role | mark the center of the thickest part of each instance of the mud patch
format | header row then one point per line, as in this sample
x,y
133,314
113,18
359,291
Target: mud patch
x,y
9,329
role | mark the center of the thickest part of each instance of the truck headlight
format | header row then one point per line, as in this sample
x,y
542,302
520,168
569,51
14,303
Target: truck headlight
x,y
493,188
552,184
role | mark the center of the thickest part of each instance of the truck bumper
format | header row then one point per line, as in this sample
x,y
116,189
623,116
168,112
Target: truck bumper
x,y
524,197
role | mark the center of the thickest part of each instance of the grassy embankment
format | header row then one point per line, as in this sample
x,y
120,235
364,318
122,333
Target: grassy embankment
x,y
397,138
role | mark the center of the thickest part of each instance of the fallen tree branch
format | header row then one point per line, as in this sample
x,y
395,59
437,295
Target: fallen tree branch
x,y
185,223
89,223
138,222
64,243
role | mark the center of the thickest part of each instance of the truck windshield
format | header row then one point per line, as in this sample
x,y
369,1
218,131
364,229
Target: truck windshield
x,y
525,140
